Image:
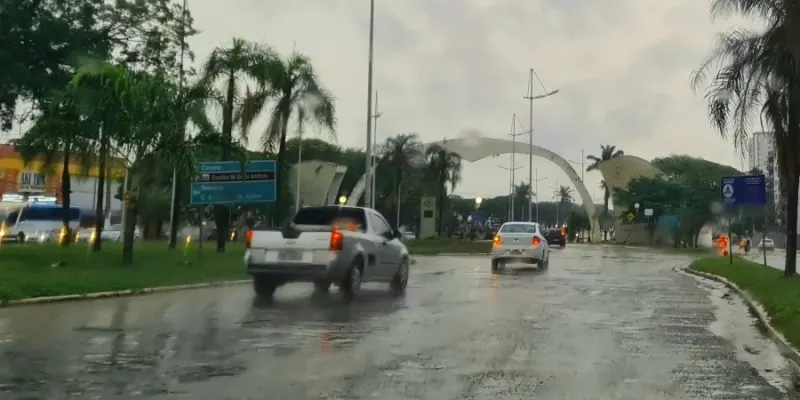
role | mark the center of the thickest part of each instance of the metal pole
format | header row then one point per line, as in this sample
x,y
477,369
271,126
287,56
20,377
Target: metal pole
x,y
173,203
513,163
582,169
398,205
537,194
375,146
297,175
530,141
368,174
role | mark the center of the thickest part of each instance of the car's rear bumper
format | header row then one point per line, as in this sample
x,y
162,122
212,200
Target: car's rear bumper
x,y
318,268
518,253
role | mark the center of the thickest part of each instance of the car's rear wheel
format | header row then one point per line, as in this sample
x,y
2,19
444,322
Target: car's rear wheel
x,y
264,286
495,265
351,285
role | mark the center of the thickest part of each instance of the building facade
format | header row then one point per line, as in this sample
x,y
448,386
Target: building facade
x,y
17,177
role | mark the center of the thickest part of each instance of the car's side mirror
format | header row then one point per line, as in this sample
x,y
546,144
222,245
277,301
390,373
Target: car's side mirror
x,y
388,235
397,234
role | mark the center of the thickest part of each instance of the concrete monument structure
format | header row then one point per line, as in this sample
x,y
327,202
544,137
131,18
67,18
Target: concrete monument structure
x,y
618,172
478,148
319,182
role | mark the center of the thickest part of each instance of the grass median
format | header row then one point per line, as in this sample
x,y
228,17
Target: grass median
x,y
28,271
779,295
48,270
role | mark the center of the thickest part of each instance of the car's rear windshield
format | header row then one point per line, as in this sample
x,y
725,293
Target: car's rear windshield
x,y
324,216
518,228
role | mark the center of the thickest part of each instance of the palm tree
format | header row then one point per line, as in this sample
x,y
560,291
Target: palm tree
x,y
295,91
759,78
442,167
522,193
232,65
400,155
563,196
57,136
607,152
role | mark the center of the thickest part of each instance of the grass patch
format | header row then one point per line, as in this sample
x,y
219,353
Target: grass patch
x,y
779,295
48,270
442,246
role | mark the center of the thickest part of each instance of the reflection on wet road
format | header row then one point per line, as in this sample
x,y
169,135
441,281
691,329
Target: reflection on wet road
x,y
602,323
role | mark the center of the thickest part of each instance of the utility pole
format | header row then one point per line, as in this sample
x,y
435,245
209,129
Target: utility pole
x,y
530,141
173,209
530,97
536,190
511,168
368,175
375,117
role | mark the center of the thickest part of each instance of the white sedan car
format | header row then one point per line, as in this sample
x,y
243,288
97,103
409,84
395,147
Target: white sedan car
x,y
520,242
766,244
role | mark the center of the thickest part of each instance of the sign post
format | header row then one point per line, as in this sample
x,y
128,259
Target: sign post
x,y
742,190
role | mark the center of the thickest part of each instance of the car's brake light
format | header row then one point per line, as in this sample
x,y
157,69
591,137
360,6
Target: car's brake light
x,y
337,240
248,239
498,240
563,233
535,241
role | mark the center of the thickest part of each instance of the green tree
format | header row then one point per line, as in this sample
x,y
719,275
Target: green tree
x,y
758,77
607,152
443,168
232,66
401,154
296,92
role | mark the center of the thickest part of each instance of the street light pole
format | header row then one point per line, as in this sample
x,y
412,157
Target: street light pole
x,y
530,97
375,116
368,175
173,209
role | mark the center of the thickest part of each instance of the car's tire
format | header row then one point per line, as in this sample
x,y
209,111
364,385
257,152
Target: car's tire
x,y
546,262
322,286
351,285
264,286
495,265
400,280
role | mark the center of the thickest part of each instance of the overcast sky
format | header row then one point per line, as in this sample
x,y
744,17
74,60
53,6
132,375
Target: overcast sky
x,y
446,66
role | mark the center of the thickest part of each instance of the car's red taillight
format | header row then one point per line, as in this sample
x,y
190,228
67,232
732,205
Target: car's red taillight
x,y
337,240
248,239
536,241
498,240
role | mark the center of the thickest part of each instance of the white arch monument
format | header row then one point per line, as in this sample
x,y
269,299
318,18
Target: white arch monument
x,y
478,148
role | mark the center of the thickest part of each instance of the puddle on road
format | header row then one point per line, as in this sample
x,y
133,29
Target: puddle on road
x,y
735,323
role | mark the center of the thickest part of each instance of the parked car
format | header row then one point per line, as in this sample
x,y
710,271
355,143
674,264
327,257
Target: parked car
x,y
766,244
338,245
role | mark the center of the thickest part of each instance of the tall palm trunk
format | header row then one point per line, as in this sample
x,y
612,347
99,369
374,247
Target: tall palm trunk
x,y
398,176
174,214
66,188
280,179
97,245
440,200
221,212
793,28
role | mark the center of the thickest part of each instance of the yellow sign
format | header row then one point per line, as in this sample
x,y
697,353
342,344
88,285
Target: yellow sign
x,y
630,217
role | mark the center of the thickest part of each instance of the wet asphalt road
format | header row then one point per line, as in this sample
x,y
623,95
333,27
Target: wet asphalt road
x,y
601,323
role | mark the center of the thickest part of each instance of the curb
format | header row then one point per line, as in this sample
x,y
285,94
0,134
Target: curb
x,y
118,293
785,348
456,254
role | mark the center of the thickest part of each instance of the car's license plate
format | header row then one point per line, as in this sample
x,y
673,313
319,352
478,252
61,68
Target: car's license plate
x,y
290,255
516,251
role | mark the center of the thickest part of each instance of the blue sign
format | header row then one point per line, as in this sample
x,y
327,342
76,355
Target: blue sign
x,y
225,183
743,190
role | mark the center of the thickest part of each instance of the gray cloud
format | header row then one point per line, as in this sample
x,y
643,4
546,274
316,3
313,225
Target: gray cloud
x,y
443,66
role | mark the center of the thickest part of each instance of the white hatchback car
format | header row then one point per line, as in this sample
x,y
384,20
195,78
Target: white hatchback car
x,y
520,242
